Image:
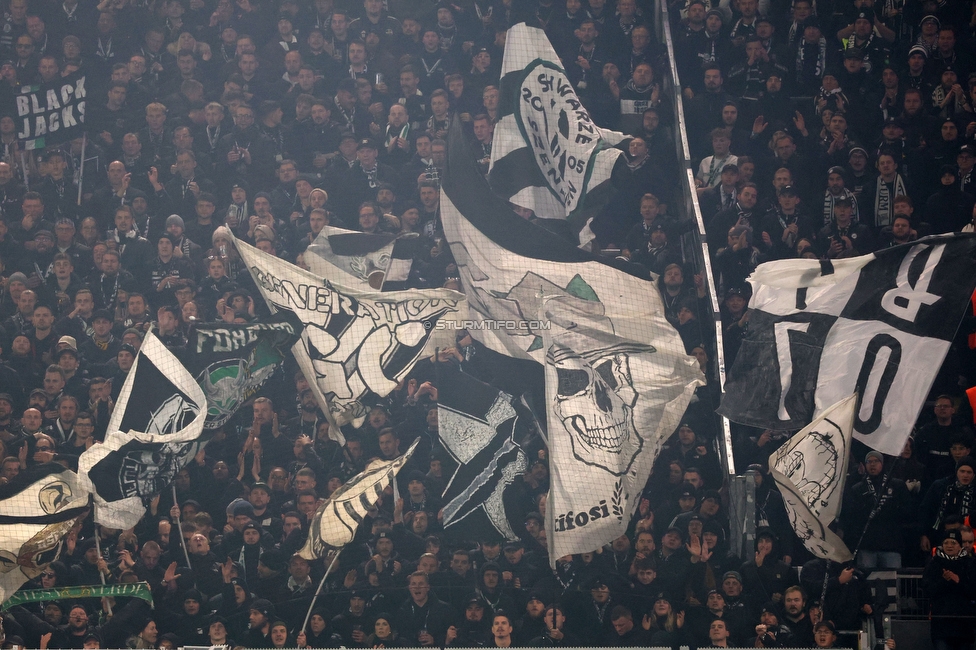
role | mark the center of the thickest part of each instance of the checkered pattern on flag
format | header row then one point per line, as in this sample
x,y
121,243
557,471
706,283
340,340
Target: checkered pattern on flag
x,y
879,325
353,342
370,261
810,470
334,524
155,431
37,509
547,153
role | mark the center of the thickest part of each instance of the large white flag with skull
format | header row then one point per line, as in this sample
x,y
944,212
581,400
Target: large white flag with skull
x,y
354,342
810,470
612,403
541,298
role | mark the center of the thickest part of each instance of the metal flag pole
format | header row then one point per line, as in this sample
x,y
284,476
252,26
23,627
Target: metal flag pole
x,y
81,165
315,596
23,170
179,524
98,547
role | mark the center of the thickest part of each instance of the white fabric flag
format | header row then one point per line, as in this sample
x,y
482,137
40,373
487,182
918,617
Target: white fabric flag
x,y
611,405
37,510
547,153
371,260
354,341
334,524
155,430
810,470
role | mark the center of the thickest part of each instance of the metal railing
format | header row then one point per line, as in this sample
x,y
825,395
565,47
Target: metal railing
x,y
693,243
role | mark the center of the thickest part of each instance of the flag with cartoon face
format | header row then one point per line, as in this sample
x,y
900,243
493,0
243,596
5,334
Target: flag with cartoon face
x,y
810,470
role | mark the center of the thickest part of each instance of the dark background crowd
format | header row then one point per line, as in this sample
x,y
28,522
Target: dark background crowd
x,y
824,130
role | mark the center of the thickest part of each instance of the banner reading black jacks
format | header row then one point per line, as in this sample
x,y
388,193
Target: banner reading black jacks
x,y
50,113
232,362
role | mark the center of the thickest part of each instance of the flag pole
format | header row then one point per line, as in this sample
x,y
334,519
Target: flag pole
x,y
81,165
315,596
179,525
23,169
98,547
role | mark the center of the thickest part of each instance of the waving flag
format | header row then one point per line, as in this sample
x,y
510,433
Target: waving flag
x,y
370,261
547,153
879,325
155,431
612,403
532,291
353,342
335,522
810,470
37,509
232,362
487,434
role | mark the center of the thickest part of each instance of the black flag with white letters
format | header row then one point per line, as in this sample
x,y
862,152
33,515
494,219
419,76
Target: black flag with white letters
x,y
879,325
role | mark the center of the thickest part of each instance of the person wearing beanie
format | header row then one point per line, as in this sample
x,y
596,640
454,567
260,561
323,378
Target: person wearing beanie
x,y
874,512
948,209
260,619
952,495
948,580
176,228
223,248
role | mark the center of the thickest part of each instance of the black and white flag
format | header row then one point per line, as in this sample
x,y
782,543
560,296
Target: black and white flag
x,y
155,431
37,509
532,291
547,153
507,264
488,435
371,262
810,470
353,342
232,362
612,403
335,522
878,325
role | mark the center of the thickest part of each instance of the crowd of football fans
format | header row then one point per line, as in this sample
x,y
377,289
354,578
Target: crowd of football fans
x,y
818,129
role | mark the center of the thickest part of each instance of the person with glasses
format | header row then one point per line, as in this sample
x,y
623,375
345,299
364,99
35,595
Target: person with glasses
x,y
44,448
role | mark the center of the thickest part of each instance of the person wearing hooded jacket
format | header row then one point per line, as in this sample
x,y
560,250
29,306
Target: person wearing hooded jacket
x,y
949,580
953,495
766,576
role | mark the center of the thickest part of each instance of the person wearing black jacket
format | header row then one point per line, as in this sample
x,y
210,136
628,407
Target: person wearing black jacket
x,y
423,619
949,580
261,615
873,509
